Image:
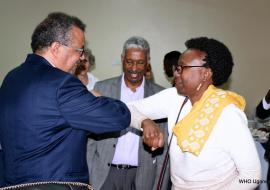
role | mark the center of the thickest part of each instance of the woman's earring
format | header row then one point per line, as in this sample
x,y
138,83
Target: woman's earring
x,y
199,87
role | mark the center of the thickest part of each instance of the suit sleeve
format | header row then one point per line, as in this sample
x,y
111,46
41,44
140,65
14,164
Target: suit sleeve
x,y
84,111
261,112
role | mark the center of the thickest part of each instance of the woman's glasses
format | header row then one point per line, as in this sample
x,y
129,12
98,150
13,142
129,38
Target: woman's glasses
x,y
179,68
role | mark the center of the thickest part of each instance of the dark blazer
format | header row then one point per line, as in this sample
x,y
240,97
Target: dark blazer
x,y
1,168
101,152
261,112
45,116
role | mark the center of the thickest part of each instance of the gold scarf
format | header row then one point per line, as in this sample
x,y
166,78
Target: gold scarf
x,y
194,129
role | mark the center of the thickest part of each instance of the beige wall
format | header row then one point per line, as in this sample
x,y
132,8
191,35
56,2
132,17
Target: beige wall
x,y
241,24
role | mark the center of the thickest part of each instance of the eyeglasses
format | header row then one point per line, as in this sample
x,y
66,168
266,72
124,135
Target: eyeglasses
x,y
179,68
79,50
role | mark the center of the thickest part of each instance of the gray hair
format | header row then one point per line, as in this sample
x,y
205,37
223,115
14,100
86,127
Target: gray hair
x,y
136,42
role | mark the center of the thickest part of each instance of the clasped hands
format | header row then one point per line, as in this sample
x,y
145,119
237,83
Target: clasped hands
x,y
152,135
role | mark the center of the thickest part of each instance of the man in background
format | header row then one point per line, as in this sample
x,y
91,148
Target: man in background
x,y
124,163
263,112
263,108
170,62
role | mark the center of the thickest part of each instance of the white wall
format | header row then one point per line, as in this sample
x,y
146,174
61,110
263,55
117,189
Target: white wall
x,y
243,25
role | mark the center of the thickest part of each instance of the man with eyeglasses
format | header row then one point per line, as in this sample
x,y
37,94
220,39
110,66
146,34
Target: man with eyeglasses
x,y
46,113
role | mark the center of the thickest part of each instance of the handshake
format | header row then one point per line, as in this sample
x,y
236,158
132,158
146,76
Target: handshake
x,y
152,135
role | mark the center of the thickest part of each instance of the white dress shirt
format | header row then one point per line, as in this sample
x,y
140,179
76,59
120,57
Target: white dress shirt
x,y
266,106
126,150
91,81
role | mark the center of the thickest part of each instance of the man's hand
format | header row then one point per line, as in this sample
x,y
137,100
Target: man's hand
x,y
152,136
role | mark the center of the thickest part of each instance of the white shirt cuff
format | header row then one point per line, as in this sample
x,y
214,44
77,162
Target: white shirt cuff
x,y
266,106
136,117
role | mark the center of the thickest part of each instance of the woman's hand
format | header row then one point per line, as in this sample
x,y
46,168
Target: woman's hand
x,y
152,136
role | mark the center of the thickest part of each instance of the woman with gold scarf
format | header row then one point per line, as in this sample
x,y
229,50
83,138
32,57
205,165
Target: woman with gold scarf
x,y
212,147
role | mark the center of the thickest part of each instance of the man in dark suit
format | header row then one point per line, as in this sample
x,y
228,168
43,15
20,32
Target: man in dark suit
x,y
124,163
1,167
263,108
263,112
46,113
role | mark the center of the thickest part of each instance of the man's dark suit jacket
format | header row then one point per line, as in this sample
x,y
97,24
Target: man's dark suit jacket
x,y
45,116
261,112
1,168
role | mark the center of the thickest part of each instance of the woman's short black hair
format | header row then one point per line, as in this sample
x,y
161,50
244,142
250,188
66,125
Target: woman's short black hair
x,y
218,57
170,60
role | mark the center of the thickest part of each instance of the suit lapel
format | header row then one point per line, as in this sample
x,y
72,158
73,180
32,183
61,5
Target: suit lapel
x,y
147,89
147,92
116,89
